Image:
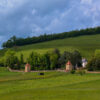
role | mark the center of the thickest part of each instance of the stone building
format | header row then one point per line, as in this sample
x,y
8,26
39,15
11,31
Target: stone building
x,y
69,66
27,68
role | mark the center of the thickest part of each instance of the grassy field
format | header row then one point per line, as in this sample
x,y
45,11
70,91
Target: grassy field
x,y
51,86
85,44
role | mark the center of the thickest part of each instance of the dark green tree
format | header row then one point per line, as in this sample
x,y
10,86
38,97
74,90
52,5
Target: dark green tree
x,y
53,60
76,58
11,60
21,59
93,64
34,59
64,58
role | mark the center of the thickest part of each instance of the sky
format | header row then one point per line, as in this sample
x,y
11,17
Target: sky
x,y
25,18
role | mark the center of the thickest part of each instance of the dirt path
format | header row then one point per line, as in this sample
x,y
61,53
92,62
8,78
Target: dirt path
x,y
95,72
36,71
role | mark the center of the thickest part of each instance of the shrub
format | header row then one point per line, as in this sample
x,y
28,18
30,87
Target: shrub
x,y
94,64
11,60
72,71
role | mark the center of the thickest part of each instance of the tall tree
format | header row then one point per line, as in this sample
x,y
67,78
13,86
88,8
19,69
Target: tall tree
x,y
21,59
11,60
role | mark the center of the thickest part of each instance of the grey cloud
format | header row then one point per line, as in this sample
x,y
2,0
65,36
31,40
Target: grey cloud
x,y
34,17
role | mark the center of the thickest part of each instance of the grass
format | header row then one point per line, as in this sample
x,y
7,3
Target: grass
x,y
85,44
51,86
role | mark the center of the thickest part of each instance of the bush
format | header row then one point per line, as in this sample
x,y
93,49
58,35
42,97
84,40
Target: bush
x,y
22,66
72,71
94,64
11,60
2,62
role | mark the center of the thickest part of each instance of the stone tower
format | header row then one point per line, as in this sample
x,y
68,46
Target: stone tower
x,y
69,66
27,68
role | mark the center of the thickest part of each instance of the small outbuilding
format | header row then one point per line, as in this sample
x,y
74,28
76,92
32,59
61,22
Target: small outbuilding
x,y
69,66
27,67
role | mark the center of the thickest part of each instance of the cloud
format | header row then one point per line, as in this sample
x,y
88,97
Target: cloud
x,y
34,17
86,1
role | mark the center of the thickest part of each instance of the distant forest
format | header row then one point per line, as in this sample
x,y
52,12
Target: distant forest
x,y
14,41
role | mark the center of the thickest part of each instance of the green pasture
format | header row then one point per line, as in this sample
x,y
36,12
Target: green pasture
x,y
51,86
85,44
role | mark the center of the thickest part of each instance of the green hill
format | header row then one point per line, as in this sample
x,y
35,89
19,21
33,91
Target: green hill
x,y
85,44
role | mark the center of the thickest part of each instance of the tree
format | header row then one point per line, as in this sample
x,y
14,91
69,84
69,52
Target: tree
x,y
42,63
53,60
21,59
13,41
11,60
64,58
56,51
97,53
93,64
47,60
34,60
76,59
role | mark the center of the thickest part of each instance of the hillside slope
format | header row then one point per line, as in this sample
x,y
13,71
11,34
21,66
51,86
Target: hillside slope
x,y
85,44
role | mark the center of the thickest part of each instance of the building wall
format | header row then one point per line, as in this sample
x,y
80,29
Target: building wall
x,y
68,67
27,69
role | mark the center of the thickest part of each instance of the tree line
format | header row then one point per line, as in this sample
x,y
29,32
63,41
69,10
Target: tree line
x,y
94,62
48,61
14,41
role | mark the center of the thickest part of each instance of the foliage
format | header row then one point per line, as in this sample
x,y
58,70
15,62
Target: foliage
x,y
74,57
21,59
53,61
11,60
93,64
2,61
97,53
14,41
64,58
85,44
48,61
45,61
54,58
34,59
72,71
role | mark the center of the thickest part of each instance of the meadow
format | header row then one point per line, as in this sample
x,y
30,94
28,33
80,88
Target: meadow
x,y
52,86
86,45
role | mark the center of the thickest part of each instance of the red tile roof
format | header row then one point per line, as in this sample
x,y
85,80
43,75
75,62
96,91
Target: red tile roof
x,y
69,63
27,65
